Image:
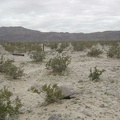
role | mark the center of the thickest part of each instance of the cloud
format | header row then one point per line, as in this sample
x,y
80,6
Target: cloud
x,y
62,15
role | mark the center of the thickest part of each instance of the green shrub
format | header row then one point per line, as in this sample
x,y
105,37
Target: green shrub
x,y
33,47
114,52
53,45
7,107
109,42
94,52
81,45
53,94
22,46
58,64
64,45
14,71
34,90
60,50
1,63
78,46
38,56
95,75
7,67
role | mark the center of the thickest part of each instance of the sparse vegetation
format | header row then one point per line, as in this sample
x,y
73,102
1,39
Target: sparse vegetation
x,y
8,108
38,56
60,50
53,94
95,75
35,90
114,52
21,47
62,46
109,43
58,64
53,45
94,52
81,45
78,46
38,86
7,67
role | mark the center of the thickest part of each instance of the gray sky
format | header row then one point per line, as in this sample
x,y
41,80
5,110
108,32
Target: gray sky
x,y
61,15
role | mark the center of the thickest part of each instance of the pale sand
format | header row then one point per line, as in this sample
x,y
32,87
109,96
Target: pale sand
x,y
98,100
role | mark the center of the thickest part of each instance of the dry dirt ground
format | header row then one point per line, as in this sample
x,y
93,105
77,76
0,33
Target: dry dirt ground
x,y
96,101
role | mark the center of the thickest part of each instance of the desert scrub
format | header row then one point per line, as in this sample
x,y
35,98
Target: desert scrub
x,y
38,56
94,52
14,47
22,46
81,45
33,46
60,50
58,64
34,90
114,52
7,67
109,42
8,109
95,75
53,94
14,71
62,46
53,45
78,46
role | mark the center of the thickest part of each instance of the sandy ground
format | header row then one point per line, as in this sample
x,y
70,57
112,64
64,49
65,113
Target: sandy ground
x,y
97,101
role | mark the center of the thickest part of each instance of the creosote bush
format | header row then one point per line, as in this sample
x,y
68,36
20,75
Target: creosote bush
x,y
53,94
38,56
22,46
78,46
95,75
53,45
7,67
58,64
94,52
8,109
81,45
62,46
114,52
60,50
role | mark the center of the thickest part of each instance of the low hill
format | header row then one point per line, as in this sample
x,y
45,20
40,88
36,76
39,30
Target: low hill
x,y
21,34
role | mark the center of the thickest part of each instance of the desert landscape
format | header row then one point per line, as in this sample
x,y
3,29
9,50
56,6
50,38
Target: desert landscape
x,y
59,59
94,100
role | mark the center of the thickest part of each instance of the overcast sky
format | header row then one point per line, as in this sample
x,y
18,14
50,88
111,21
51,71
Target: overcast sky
x,y
61,15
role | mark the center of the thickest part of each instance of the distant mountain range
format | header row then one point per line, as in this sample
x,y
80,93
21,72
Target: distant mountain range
x,y
21,34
